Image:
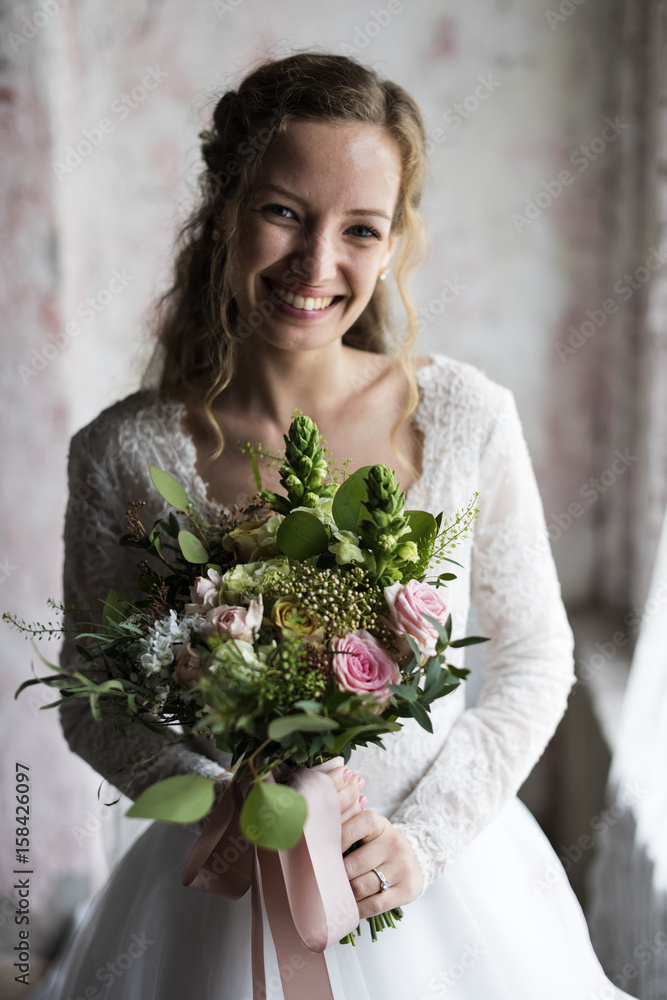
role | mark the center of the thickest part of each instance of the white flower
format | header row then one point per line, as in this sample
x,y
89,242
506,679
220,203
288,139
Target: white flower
x,y
266,533
162,647
205,592
149,663
321,510
347,548
178,630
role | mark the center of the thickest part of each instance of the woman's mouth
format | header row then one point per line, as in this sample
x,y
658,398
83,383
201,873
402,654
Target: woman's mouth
x,y
297,305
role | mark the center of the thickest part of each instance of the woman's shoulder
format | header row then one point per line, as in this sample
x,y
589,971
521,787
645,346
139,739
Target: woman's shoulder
x,y
127,426
463,386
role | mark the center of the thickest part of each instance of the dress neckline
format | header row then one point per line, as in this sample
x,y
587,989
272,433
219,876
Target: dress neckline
x,y
411,496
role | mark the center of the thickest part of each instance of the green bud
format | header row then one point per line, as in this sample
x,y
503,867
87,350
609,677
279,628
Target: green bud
x,y
409,552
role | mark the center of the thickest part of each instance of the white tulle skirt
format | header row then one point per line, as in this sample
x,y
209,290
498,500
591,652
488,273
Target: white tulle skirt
x,y
501,924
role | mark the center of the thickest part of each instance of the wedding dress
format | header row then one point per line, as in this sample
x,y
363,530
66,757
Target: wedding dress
x,y
496,919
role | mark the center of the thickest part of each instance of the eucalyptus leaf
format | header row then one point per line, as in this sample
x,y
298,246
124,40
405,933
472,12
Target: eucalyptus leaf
x,y
183,798
346,507
169,488
192,548
273,816
302,535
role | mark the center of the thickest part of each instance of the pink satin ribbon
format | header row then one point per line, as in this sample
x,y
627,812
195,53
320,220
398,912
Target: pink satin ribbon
x,y
308,898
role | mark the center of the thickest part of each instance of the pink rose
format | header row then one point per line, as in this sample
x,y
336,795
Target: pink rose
x,y
362,665
238,622
204,594
188,665
407,606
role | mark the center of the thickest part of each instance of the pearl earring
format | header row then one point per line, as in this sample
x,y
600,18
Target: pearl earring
x,y
383,273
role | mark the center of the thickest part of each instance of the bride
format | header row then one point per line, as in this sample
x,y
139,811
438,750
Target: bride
x,y
310,196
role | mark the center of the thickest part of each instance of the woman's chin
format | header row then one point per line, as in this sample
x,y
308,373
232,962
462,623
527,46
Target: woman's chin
x,y
287,337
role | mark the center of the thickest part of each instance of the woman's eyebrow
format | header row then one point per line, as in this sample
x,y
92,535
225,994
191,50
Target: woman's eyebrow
x,y
351,211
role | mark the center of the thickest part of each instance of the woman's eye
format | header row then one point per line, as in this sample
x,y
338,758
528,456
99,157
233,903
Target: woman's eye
x,y
369,229
280,208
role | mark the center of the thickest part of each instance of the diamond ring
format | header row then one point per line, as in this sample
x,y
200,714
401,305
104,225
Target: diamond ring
x,y
384,883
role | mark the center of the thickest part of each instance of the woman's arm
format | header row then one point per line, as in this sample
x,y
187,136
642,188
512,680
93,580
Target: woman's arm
x,y
492,747
101,482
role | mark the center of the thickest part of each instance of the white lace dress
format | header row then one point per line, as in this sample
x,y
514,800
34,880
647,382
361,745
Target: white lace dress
x,y
497,919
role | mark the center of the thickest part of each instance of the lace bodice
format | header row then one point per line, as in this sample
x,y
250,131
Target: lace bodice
x,y
440,790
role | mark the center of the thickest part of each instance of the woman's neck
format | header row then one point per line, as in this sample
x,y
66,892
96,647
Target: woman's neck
x,y
270,383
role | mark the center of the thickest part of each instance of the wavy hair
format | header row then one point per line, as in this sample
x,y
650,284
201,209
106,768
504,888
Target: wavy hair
x,y
197,323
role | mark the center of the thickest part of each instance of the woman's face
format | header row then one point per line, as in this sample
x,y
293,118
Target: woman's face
x,y
317,226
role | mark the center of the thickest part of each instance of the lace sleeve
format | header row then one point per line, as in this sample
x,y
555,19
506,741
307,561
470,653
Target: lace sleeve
x,y
529,666
94,562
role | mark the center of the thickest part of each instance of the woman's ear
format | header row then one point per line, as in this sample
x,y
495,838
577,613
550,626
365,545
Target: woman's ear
x,y
391,243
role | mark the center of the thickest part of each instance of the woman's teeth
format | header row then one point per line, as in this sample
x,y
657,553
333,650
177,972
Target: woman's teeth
x,y
299,302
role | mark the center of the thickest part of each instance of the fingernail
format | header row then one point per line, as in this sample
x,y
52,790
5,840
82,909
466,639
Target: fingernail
x,y
363,801
347,774
362,782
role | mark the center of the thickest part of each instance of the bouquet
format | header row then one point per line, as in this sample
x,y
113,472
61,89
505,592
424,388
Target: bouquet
x,y
290,631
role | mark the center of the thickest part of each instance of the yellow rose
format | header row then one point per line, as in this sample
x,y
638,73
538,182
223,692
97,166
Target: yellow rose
x,y
243,541
291,617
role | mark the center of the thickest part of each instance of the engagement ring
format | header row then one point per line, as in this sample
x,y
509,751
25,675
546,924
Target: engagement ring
x,y
384,884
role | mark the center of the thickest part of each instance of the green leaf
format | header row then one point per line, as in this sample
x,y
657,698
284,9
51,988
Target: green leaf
x,y
470,641
169,488
348,735
302,535
255,469
423,531
156,547
288,724
419,713
460,672
347,507
444,631
183,798
273,816
171,526
115,606
192,548
403,691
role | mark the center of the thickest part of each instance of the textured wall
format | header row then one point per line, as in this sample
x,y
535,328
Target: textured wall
x,y
101,105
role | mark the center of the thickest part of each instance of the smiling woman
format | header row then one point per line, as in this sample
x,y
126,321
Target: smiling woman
x,y
313,180
316,236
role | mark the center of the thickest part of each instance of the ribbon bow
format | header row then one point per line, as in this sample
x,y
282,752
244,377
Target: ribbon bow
x,y
307,895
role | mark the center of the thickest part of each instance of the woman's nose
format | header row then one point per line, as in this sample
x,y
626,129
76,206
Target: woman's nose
x,y
318,265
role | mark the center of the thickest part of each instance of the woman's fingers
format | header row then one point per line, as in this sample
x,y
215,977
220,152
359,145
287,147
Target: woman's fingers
x,y
365,825
349,786
339,776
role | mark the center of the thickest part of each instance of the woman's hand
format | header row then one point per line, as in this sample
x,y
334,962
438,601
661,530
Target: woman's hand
x,y
349,787
385,848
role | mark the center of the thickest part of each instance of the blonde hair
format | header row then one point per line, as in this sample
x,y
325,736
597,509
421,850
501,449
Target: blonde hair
x,y
197,319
